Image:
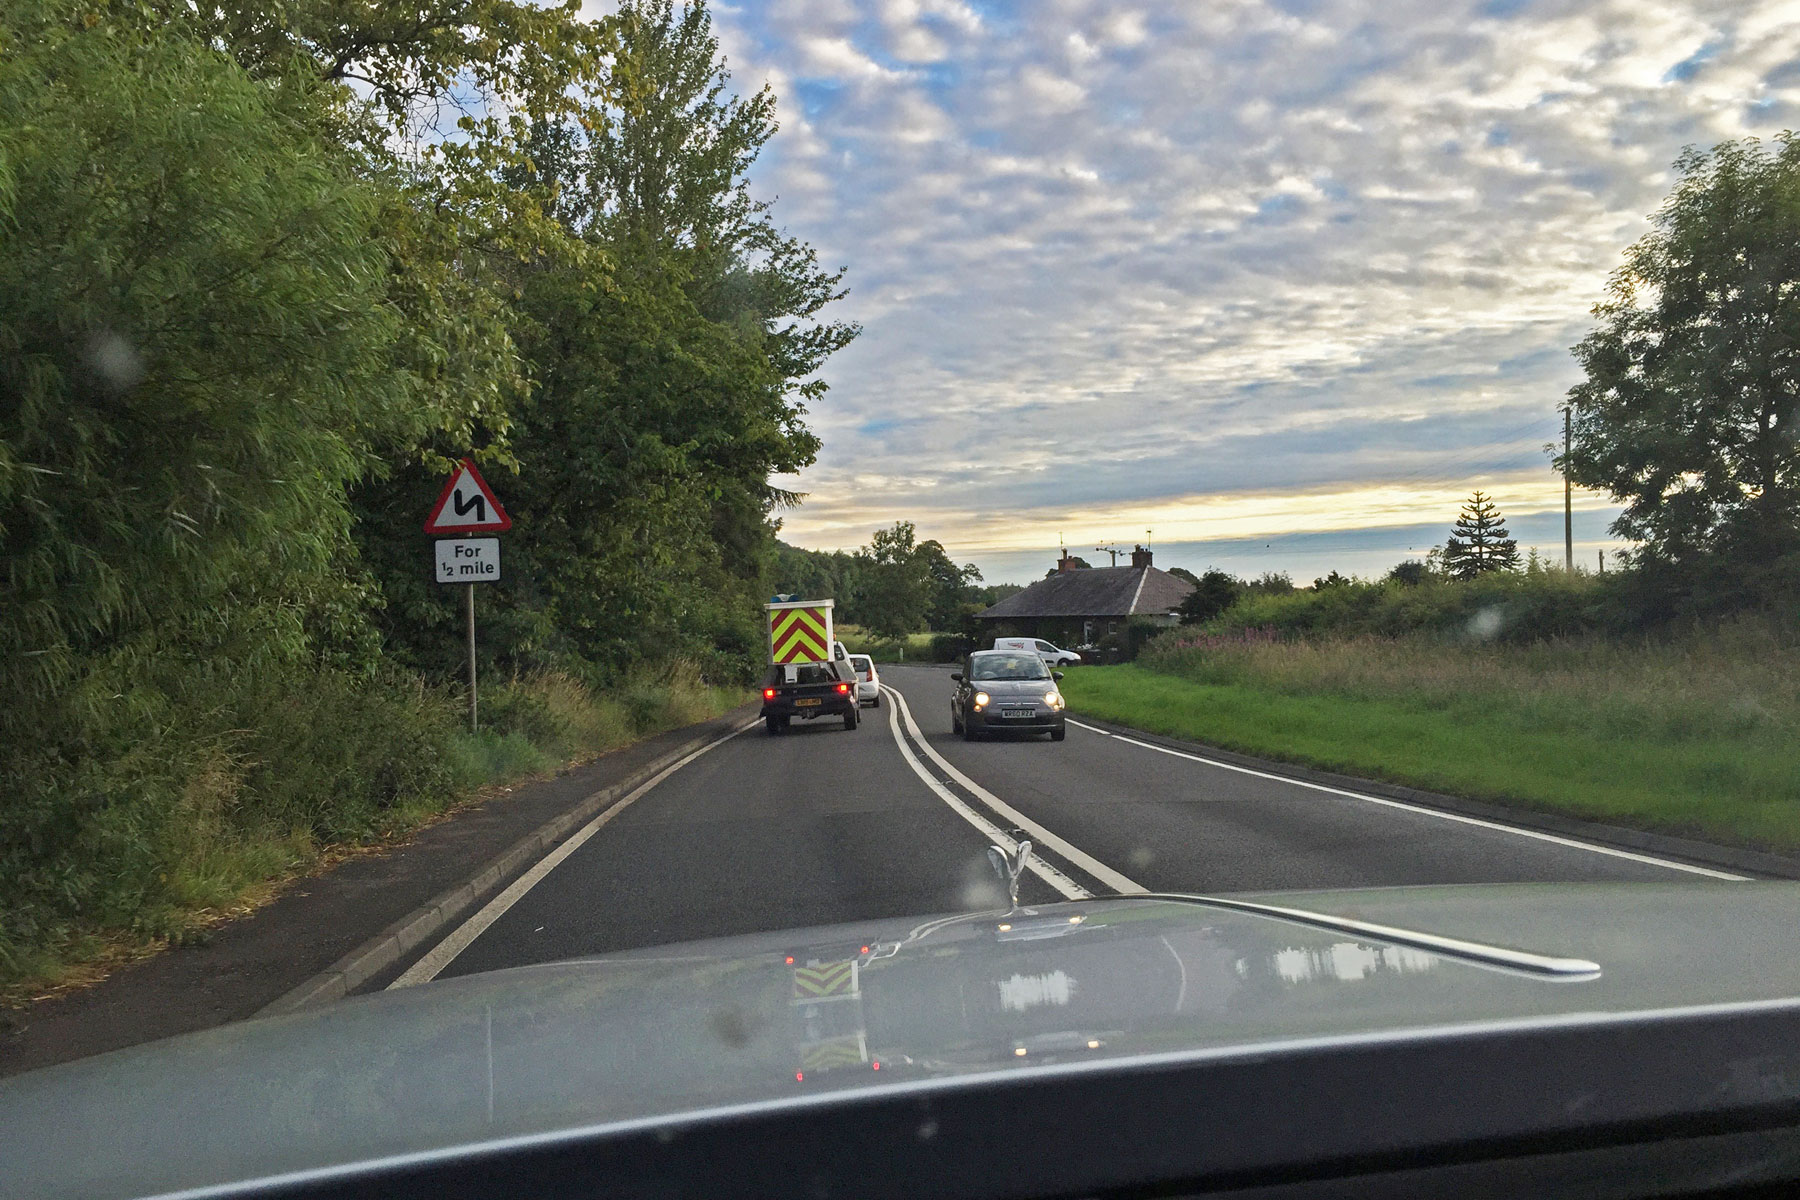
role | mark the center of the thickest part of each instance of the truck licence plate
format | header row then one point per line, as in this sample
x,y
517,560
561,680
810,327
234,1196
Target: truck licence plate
x,y
1018,712
810,700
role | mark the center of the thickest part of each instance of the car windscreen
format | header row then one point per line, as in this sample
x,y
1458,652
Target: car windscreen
x,y
1008,666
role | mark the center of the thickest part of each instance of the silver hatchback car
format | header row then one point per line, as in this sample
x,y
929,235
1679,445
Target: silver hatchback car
x,y
1006,690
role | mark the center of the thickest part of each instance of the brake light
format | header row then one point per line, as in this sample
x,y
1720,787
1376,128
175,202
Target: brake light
x,y
843,689
768,693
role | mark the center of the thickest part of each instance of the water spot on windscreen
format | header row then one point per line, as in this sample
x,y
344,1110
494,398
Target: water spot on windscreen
x,y
731,1026
1142,857
114,361
1486,624
927,1129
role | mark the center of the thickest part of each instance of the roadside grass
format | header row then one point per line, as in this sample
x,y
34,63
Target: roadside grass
x,y
233,839
1694,737
914,647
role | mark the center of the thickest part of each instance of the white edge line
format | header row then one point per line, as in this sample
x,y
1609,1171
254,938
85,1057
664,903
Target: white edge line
x,y
1419,808
1037,866
1050,841
445,952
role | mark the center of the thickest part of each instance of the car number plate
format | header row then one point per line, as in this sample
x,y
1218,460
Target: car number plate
x,y
809,700
1018,712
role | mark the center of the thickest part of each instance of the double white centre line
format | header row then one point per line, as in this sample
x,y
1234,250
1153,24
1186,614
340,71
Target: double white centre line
x,y
900,712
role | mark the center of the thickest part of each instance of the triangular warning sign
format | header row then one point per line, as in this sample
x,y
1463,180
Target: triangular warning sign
x,y
467,505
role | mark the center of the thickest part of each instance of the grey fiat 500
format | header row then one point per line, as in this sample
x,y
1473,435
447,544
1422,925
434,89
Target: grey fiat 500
x,y
1002,690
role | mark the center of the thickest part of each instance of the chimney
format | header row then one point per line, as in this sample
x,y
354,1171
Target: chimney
x,y
1140,556
1066,562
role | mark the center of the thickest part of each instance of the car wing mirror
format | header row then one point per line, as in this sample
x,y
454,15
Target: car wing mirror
x,y
1056,674
956,675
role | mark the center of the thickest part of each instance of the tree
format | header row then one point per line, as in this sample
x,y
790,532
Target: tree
x,y
1480,542
896,593
195,358
1687,415
1214,592
1186,575
1080,564
1412,572
951,588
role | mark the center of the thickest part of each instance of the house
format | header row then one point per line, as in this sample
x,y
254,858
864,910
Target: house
x,y
1077,606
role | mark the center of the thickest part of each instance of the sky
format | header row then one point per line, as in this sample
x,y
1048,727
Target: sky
x,y
1273,283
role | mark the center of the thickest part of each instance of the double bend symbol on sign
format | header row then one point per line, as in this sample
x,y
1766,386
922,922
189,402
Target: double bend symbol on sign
x,y
467,505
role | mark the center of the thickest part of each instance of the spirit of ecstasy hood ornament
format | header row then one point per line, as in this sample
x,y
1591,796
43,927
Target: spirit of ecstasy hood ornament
x,y
1010,866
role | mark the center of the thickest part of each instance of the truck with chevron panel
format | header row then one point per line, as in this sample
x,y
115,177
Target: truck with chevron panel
x,y
809,673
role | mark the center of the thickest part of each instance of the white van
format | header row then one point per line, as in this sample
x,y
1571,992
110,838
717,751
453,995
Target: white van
x,y
1050,654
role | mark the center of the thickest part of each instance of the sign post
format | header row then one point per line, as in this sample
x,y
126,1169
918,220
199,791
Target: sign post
x,y
468,506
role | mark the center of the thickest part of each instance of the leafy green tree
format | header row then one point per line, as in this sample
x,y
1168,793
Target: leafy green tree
x,y
1412,572
195,355
1215,592
1480,542
1183,573
896,594
1270,583
952,587
1687,415
673,337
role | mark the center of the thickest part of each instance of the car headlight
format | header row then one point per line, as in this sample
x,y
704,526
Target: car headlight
x,y
981,699
1053,699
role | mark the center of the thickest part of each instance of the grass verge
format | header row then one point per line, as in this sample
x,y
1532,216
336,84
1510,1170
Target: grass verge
x,y
1693,738
244,818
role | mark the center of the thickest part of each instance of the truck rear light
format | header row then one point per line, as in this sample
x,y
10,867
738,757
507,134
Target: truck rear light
x,y
768,693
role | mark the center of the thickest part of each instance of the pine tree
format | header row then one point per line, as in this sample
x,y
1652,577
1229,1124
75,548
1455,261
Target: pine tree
x,y
1480,542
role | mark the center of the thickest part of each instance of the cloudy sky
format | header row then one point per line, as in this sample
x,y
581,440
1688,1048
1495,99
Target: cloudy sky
x,y
1281,280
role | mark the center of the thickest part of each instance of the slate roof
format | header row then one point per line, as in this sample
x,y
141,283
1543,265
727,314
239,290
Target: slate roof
x,y
1095,592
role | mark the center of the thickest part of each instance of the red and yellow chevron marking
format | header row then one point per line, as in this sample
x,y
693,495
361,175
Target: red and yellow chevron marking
x,y
797,635
827,979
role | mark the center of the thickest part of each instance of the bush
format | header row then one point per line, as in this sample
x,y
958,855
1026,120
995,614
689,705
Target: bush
x,y
202,786
1500,606
948,647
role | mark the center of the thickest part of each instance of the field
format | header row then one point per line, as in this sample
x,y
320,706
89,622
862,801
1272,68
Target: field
x,y
914,647
1694,735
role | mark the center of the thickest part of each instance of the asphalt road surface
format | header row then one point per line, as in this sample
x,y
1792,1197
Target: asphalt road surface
x,y
826,826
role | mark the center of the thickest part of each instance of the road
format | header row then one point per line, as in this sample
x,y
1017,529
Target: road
x,y
825,826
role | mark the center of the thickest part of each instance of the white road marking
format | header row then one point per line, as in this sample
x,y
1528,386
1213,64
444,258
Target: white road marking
x,y
445,952
1044,837
1459,818
1037,866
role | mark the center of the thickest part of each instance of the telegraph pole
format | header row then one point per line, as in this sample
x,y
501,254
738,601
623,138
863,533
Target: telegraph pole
x,y
1568,501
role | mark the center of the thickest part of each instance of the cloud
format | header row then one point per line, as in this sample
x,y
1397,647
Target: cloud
x,y
1233,261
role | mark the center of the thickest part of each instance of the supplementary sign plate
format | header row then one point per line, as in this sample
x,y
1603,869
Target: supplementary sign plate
x,y
467,505
468,560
